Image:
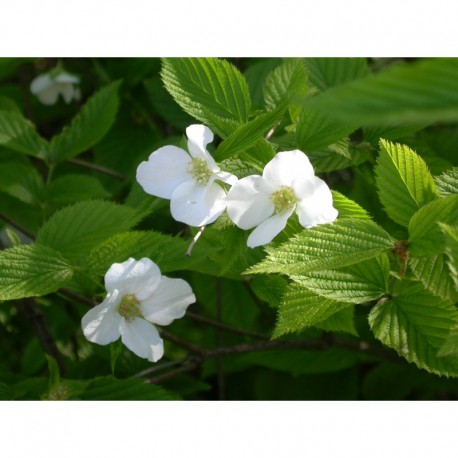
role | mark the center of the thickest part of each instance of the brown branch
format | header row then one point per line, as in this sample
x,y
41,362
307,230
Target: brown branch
x,y
97,168
194,349
12,223
225,327
77,297
187,367
159,367
28,308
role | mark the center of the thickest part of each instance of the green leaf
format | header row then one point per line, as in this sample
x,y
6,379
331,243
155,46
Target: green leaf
x,y
284,82
77,229
248,134
404,181
166,251
256,75
19,134
301,309
358,283
316,131
447,183
329,246
425,235
416,323
450,345
269,288
424,91
435,275
341,321
115,350
31,270
74,187
207,89
326,72
451,249
89,125
333,157
348,208
54,373
134,389
21,181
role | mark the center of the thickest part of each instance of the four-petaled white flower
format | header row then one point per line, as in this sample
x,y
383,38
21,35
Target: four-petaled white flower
x,y
49,86
188,180
138,295
288,183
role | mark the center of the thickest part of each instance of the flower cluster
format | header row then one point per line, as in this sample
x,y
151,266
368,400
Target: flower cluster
x,y
138,295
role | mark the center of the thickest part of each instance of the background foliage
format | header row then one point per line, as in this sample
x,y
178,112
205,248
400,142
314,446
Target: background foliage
x,y
364,308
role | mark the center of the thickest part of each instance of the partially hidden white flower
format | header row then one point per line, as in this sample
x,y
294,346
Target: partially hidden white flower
x,y
190,181
138,295
49,86
288,183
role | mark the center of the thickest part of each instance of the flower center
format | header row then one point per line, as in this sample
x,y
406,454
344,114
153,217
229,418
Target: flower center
x,y
284,199
199,170
129,307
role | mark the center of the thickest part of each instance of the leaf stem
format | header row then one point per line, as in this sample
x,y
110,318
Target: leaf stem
x,y
97,168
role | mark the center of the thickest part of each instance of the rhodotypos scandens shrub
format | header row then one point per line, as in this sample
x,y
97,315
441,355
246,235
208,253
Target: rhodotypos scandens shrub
x,y
189,180
138,297
288,184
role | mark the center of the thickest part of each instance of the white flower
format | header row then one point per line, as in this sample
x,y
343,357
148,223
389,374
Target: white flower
x,y
288,183
137,295
188,180
49,86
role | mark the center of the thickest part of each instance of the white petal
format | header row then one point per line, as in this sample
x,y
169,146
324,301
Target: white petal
x,y
315,206
168,302
48,96
249,203
197,205
140,278
199,136
226,177
142,338
101,324
66,78
267,230
288,167
164,171
41,83
67,91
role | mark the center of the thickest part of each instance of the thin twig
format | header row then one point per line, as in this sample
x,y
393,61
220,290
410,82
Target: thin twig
x,y
190,366
77,297
159,367
37,322
182,343
225,327
97,168
12,223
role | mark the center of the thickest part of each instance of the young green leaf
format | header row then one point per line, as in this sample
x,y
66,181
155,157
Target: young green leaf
x,y
435,275
424,91
19,134
89,125
450,345
404,181
74,187
451,250
341,321
447,183
416,323
207,89
287,80
357,283
325,73
302,308
330,246
316,131
248,134
21,181
348,208
77,229
425,235
31,270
